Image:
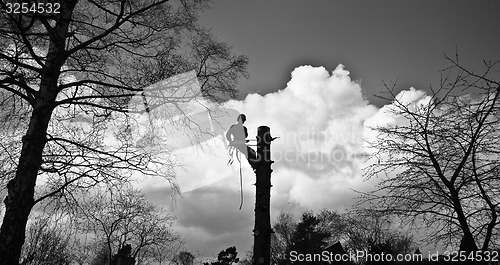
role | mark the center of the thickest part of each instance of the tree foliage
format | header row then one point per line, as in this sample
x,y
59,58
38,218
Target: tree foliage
x,y
184,258
226,257
360,230
307,238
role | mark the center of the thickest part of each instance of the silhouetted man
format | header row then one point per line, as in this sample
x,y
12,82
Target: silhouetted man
x,y
236,135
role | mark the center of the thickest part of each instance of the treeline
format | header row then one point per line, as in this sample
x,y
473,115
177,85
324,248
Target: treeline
x,y
104,230
337,234
358,237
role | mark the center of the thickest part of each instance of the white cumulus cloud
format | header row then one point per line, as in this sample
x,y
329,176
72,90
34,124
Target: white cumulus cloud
x,y
319,117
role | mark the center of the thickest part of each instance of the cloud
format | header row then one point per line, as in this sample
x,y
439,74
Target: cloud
x,y
319,117
209,219
323,122
212,208
387,115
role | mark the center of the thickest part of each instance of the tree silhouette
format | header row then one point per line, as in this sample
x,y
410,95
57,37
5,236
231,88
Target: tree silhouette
x,y
125,218
184,258
367,229
307,238
441,160
73,72
281,239
362,229
226,257
47,243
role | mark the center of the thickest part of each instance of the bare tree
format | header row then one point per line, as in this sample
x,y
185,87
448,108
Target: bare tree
x,y
13,117
366,230
125,217
159,254
333,223
439,167
281,239
48,242
82,64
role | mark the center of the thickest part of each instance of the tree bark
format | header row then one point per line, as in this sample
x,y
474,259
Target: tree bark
x,y
21,189
467,244
262,229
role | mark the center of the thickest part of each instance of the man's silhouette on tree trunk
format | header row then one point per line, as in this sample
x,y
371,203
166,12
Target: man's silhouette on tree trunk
x,y
236,135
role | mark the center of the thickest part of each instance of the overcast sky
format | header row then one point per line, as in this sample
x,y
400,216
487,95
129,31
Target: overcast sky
x,y
315,69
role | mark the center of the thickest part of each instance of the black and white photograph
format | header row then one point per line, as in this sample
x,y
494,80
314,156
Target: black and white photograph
x,y
249,132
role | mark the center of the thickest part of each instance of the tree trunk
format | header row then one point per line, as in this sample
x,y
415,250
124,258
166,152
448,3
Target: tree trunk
x,y
21,189
262,229
467,243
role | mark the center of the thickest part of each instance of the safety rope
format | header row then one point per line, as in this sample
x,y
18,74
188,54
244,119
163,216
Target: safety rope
x,y
232,150
238,156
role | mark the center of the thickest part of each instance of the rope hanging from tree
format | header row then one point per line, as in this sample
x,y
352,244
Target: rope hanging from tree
x,y
233,150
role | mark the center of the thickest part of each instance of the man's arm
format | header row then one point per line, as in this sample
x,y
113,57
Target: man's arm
x,y
229,134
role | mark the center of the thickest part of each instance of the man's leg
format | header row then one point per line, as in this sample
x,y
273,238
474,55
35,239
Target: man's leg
x,y
252,155
249,153
243,149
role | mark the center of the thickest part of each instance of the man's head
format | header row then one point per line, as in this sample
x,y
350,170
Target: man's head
x,y
241,118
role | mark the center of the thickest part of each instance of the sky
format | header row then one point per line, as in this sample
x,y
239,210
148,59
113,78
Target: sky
x,y
315,73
